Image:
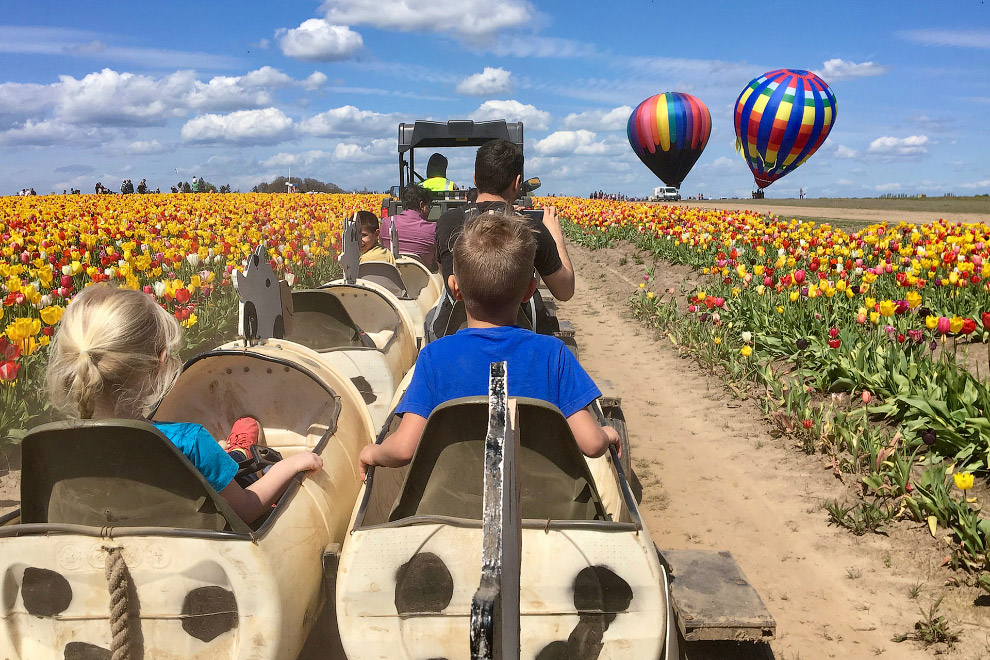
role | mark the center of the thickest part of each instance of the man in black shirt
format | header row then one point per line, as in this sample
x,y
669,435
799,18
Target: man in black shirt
x,y
498,171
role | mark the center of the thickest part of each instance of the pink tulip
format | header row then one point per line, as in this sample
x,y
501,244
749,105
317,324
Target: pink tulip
x,y
798,276
943,326
866,396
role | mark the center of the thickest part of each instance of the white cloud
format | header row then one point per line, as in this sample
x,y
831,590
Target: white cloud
x,y
379,150
476,21
837,69
579,143
23,100
599,120
488,82
891,148
244,126
887,187
842,151
145,147
348,120
314,81
982,185
956,38
318,40
266,76
112,98
533,118
51,132
306,158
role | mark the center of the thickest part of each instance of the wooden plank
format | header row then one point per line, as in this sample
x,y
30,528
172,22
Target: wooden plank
x,y
713,600
495,606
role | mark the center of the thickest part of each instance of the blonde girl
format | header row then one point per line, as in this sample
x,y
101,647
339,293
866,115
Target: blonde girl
x,y
115,356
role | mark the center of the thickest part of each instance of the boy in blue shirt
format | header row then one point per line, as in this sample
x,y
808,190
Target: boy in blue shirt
x,y
493,275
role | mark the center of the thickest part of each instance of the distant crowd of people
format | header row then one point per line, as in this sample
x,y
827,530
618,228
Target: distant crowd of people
x,y
25,192
613,197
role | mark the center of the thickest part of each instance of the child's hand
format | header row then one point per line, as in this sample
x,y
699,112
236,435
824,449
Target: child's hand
x,y
366,460
613,439
306,461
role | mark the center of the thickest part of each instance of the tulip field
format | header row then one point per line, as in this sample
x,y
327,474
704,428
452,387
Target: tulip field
x,y
856,344
179,248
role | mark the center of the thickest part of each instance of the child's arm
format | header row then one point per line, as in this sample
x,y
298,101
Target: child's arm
x,y
251,502
592,439
397,449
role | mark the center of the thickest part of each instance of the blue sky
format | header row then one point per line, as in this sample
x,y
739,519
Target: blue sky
x,y
239,92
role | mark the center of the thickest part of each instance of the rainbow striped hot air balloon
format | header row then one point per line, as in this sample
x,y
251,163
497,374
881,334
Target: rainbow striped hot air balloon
x,y
668,132
782,118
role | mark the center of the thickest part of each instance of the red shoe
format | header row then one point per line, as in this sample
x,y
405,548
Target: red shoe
x,y
245,432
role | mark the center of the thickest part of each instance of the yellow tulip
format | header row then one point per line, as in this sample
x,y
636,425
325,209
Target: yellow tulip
x,y
746,351
887,308
931,322
913,299
956,323
51,314
964,480
871,303
22,329
874,317
794,295
650,295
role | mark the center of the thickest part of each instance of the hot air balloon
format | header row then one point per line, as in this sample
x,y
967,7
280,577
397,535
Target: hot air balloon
x,y
782,118
668,132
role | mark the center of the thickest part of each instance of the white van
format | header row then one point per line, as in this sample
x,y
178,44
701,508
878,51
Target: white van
x,y
665,194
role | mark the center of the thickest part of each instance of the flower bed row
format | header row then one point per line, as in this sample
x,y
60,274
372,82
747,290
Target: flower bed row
x,y
181,249
856,343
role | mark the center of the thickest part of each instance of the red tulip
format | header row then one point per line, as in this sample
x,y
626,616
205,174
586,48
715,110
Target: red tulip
x,y
8,371
985,317
182,295
969,325
833,333
835,343
807,423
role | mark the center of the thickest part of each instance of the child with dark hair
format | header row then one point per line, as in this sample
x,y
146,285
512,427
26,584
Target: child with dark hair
x,y
371,247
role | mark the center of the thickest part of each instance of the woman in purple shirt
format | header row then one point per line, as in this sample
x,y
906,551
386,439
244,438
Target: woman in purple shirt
x,y
416,233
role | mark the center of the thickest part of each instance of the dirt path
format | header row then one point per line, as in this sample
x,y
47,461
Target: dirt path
x,y
714,478
807,209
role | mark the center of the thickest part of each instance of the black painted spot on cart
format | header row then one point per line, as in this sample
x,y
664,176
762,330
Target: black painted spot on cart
x,y
598,589
45,592
423,584
208,612
364,387
599,595
84,651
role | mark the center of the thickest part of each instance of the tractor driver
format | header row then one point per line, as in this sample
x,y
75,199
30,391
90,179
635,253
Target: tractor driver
x,y
498,170
436,175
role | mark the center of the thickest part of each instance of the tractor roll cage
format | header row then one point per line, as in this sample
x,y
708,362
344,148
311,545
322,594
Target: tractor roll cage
x,y
454,133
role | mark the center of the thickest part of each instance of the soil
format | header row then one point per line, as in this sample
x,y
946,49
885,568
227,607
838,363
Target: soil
x,y
715,478
808,209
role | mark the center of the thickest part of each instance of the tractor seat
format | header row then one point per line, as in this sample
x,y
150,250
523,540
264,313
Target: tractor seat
x,y
116,473
446,474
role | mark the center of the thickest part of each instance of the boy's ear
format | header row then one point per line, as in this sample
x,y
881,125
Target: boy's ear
x,y
530,290
454,289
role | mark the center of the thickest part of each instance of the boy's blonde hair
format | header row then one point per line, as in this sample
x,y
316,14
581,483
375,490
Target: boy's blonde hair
x,y
493,263
108,348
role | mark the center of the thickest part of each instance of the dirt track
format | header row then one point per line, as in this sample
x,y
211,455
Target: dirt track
x,y
714,478
808,209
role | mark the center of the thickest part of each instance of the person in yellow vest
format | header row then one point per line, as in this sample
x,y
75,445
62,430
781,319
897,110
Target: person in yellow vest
x,y
436,175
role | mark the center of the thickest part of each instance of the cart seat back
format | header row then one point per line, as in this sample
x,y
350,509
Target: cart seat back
x,y
320,322
116,473
445,477
384,274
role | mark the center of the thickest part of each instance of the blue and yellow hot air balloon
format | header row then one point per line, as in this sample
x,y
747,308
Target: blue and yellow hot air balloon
x,y
782,118
668,132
